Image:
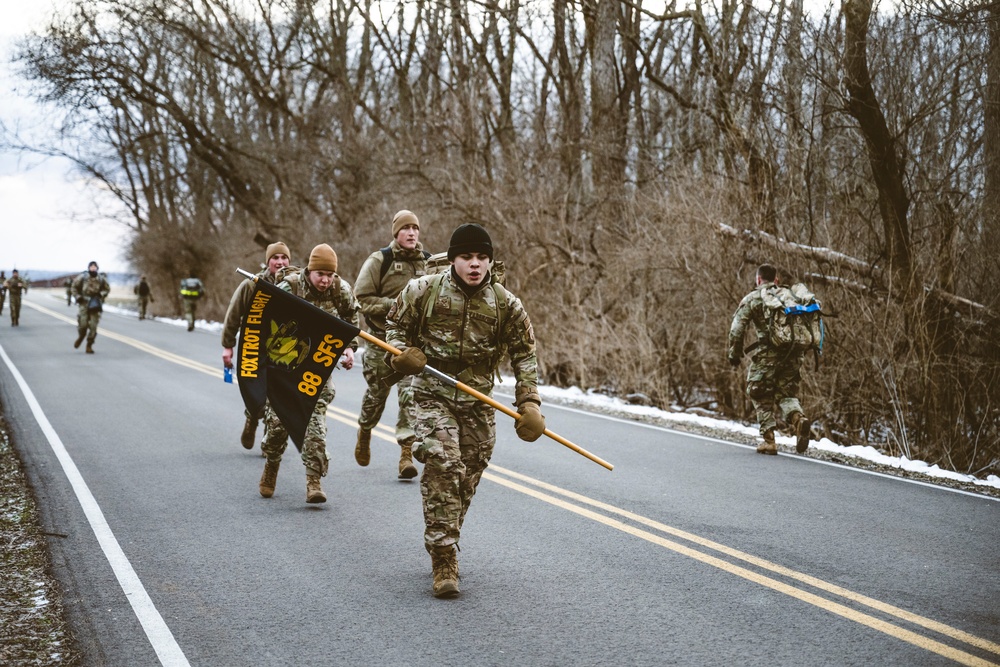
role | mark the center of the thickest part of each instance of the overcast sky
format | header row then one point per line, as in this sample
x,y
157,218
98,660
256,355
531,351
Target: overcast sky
x,y
47,213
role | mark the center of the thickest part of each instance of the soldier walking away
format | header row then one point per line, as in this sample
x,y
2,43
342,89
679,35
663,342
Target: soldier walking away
x,y
192,290
382,277
90,289
461,323
774,374
320,285
276,259
68,284
145,296
3,289
14,286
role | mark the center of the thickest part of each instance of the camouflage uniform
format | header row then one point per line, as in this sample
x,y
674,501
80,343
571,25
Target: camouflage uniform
x,y
773,377
337,300
85,287
3,290
15,285
69,290
464,336
376,294
190,297
143,292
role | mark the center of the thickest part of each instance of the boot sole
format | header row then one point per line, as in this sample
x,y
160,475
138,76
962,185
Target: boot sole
x,y
315,500
448,589
802,443
409,472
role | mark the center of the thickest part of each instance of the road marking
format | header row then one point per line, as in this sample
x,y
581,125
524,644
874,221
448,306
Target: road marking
x,y
885,627
387,433
902,614
156,629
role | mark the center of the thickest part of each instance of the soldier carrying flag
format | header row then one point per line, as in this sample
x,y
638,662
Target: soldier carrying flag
x,y
288,349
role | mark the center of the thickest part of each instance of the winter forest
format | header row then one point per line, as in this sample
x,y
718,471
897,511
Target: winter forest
x,y
633,161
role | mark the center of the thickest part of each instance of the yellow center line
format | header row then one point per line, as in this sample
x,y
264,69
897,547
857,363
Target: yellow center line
x,y
886,608
833,607
387,433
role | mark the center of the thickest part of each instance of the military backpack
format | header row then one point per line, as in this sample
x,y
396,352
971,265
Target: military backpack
x,y
794,318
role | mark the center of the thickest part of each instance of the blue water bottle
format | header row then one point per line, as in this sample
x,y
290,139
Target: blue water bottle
x,y
227,374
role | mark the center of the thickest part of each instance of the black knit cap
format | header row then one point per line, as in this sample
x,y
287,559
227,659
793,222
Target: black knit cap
x,y
470,237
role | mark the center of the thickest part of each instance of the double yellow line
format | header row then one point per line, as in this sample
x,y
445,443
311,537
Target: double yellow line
x,y
765,573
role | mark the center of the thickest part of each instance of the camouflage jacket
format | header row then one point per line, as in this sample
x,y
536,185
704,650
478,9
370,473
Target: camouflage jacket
x,y
752,311
85,286
338,299
239,303
377,291
16,286
465,335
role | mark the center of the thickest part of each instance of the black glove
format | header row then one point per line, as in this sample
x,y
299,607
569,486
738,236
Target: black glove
x,y
410,361
531,425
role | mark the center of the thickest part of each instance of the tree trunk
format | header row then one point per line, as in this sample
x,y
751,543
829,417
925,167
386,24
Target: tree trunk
x,y
886,166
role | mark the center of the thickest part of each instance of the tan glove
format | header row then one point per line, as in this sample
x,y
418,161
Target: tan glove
x,y
410,362
531,425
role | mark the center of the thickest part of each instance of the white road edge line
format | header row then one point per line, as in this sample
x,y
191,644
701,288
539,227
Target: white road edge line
x,y
156,629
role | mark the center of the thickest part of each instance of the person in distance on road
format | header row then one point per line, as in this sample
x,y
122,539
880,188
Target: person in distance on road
x,y
277,257
191,290
145,296
14,286
320,285
461,323
382,277
90,289
3,290
773,377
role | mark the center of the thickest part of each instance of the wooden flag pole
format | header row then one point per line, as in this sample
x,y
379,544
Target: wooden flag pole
x,y
489,401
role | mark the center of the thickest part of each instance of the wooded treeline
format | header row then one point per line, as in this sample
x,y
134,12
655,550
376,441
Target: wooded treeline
x,y
634,163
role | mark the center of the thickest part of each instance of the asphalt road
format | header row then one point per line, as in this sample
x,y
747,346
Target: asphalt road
x,y
693,551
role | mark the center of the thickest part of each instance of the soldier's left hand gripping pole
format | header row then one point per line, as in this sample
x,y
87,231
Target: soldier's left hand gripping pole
x,y
489,401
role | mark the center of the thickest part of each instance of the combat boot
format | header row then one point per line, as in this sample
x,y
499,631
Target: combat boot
x,y
445,566
249,433
269,479
406,468
314,492
768,446
802,428
90,347
363,449
79,339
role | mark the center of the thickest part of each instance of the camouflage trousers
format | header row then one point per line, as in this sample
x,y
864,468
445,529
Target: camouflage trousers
x,y
456,440
773,386
87,321
314,455
190,306
379,375
15,307
143,304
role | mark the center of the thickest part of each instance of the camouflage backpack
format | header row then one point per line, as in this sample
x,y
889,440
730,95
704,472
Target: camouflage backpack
x,y
794,318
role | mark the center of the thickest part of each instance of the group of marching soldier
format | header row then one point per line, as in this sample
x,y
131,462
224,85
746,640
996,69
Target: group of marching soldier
x,y
457,322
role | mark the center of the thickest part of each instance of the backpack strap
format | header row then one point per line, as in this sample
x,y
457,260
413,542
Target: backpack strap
x,y
387,260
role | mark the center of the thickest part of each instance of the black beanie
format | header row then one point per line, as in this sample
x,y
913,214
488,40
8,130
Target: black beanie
x,y
470,237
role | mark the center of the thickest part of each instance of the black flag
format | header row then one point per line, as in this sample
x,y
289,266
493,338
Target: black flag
x,y
288,348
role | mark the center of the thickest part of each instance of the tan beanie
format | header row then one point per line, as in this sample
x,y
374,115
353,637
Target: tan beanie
x,y
274,249
402,219
322,258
